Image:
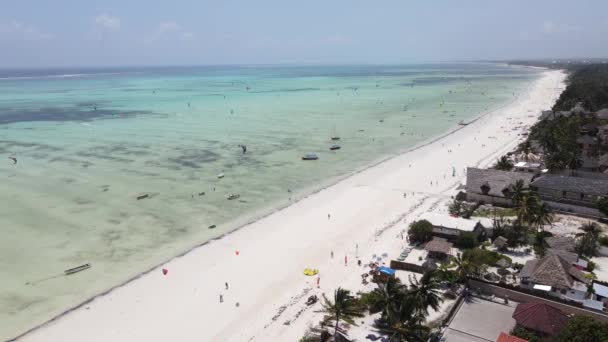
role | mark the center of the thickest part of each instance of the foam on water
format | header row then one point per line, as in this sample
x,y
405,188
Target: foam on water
x,y
88,146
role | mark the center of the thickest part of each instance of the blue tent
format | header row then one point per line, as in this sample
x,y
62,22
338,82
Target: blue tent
x,y
386,270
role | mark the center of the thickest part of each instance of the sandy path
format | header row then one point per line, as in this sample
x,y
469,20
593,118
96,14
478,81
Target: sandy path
x,y
266,277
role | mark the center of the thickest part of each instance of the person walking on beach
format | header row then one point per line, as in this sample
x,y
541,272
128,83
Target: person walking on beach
x,y
345,260
328,216
226,285
221,299
318,282
332,254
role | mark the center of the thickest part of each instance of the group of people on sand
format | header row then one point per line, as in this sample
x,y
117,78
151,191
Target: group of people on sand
x,y
222,296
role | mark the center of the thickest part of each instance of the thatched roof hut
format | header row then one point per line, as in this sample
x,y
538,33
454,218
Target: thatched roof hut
x,y
501,242
564,243
552,270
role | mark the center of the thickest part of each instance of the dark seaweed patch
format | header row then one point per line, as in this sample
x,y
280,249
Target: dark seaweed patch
x,y
74,113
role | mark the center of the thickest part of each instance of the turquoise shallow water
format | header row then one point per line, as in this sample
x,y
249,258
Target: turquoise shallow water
x,y
88,142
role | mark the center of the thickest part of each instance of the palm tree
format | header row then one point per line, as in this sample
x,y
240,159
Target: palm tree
x,y
345,307
543,216
540,245
424,293
388,298
518,191
587,244
411,330
464,268
590,228
503,164
528,209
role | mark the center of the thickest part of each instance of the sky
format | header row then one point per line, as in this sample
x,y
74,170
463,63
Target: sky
x,y
77,33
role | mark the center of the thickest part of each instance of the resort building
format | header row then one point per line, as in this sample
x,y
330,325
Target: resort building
x,y
556,276
450,228
534,168
543,318
600,293
571,194
490,186
438,249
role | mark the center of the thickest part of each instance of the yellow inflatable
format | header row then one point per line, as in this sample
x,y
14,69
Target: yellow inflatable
x,y
310,271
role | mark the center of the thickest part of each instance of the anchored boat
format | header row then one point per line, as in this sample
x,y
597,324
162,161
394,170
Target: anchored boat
x,y
310,156
77,269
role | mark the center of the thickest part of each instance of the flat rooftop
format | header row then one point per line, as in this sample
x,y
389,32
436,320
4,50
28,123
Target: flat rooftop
x,y
480,320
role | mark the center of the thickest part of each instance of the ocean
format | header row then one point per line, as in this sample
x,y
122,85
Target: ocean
x,y
124,168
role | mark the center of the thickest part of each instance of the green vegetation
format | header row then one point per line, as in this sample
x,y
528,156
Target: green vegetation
x,y
602,205
558,140
345,307
587,244
524,333
584,329
420,231
478,256
503,164
404,308
603,240
461,209
540,245
467,240
588,85
494,212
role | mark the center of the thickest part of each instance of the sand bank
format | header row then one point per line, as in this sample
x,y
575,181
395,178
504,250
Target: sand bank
x,y
359,216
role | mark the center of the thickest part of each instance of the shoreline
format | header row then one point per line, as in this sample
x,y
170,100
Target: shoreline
x,y
280,205
280,211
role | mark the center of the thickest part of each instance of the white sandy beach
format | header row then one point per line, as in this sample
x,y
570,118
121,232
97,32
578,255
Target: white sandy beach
x,y
368,211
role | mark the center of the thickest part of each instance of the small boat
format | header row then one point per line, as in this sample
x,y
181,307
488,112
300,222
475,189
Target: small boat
x,y
462,123
233,197
334,136
310,156
335,147
140,197
77,269
212,226
220,176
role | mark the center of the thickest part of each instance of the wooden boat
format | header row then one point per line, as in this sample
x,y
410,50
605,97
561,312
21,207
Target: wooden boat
x,y
77,269
212,226
335,147
462,123
310,156
220,176
233,197
140,197
334,136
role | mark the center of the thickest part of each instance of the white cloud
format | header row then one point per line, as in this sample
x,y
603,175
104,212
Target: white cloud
x,y
105,21
169,26
14,28
549,27
169,30
188,36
